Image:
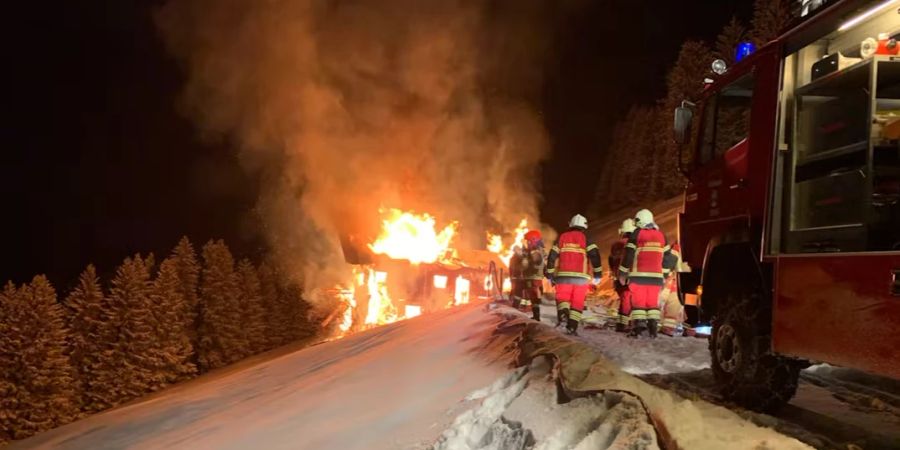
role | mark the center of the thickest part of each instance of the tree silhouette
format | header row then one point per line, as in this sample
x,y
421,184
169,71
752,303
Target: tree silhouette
x,y
87,334
726,43
684,82
188,269
171,338
221,336
130,365
252,307
770,17
276,322
37,390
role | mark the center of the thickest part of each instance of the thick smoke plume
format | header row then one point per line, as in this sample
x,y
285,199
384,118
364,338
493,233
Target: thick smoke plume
x,y
345,106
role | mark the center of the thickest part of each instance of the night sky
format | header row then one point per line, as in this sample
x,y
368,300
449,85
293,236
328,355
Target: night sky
x,y
97,162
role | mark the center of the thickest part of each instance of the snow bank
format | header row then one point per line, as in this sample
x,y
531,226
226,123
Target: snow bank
x,y
521,411
681,423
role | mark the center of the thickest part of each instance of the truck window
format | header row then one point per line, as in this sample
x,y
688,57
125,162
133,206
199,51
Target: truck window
x,y
726,118
841,185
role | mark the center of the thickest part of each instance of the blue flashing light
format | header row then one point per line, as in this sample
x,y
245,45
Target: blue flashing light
x,y
744,49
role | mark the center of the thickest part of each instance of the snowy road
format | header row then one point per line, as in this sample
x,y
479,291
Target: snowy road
x,y
443,381
834,407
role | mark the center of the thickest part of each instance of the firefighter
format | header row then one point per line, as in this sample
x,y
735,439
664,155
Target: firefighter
x,y
647,259
572,265
515,276
671,309
533,273
620,310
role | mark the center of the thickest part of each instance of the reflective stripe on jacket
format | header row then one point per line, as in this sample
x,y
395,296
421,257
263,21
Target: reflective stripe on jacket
x,y
648,258
573,257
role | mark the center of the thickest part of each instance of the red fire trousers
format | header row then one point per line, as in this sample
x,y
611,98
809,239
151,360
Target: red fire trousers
x,y
571,296
644,301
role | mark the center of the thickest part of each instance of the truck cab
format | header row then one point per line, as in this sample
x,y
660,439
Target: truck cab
x,y
791,216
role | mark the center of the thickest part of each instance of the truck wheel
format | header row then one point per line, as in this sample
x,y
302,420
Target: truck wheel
x,y
746,370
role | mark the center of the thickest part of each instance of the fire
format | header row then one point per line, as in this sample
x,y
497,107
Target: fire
x,y
505,252
411,311
381,309
461,293
413,237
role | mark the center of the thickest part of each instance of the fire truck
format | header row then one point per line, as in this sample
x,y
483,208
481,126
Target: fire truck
x,y
791,215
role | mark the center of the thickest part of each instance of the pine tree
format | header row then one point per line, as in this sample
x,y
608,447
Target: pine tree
x,y
276,323
684,82
128,368
297,312
172,339
188,269
770,17
88,336
38,390
726,43
9,377
221,336
252,306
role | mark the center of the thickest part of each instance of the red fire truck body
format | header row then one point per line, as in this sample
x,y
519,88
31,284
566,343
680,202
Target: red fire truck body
x,y
791,217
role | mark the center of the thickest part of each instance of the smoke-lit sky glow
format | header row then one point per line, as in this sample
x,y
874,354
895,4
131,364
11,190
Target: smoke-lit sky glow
x,y
260,122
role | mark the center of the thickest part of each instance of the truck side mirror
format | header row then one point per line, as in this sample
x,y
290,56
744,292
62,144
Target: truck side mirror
x,y
684,115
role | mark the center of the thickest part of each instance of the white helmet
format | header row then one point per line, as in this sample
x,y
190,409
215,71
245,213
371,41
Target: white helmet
x,y
578,221
627,226
643,218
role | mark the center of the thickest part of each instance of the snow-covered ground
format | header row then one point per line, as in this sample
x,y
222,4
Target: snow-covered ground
x,y
834,407
444,381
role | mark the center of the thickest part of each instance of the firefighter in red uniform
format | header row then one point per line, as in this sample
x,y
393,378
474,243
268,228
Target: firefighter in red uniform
x,y
532,264
620,312
647,260
573,263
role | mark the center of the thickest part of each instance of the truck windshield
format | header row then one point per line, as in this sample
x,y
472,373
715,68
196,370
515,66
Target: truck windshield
x,y
840,141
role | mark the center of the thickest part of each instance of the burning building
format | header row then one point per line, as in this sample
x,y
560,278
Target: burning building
x,y
413,268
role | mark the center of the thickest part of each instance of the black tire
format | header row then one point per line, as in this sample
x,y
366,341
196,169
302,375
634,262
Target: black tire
x,y
745,369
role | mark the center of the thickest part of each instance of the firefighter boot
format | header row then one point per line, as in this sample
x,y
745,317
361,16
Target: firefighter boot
x,y
515,302
637,327
572,327
652,327
536,312
561,316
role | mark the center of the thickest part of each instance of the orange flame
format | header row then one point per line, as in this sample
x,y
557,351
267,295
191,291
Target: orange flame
x,y
505,252
413,237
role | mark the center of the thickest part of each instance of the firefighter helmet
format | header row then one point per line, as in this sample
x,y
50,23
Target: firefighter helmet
x,y
643,218
578,221
532,235
627,226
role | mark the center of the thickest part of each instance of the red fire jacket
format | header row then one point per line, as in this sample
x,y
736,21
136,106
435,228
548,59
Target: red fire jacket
x,y
648,258
573,257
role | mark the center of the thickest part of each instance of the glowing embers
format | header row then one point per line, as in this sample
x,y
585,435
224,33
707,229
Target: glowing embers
x,y
413,237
